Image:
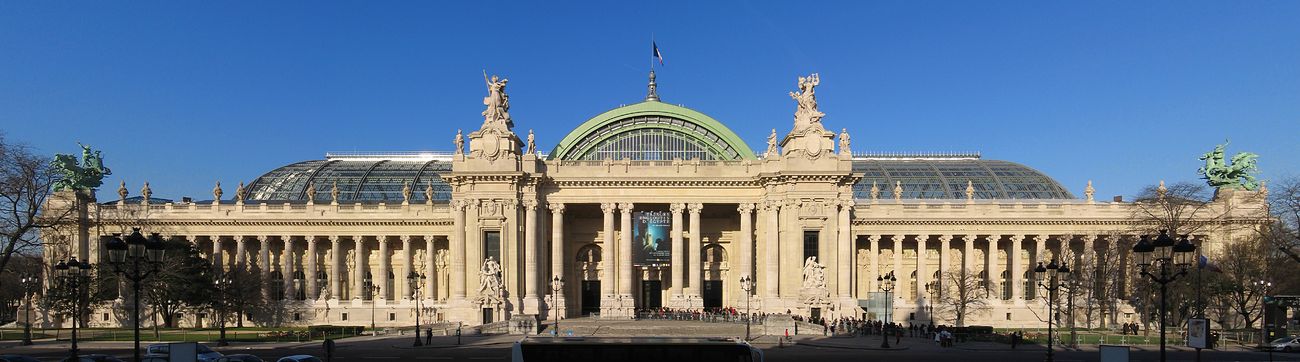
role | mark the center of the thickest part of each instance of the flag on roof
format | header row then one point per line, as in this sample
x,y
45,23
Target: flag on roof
x,y
656,54
1204,263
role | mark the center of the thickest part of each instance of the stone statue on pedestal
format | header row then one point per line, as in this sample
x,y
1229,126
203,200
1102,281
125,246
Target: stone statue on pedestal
x,y
814,274
808,137
489,282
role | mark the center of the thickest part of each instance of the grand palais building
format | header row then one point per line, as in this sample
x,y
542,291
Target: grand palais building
x,y
643,206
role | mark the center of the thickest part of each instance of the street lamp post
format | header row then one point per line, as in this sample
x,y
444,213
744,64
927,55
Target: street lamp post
x,y
886,283
747,285
73,274
557,285
416,280
371,290
1165,254
223,283
1052,271
933,289
135,258
1263,328
31,284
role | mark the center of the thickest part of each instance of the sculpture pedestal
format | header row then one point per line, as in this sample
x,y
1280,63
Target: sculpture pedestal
x,y
778,325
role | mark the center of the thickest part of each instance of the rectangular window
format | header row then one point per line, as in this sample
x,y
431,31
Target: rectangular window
x,y
1008,316
392,316
492,245
105,317
344,316
297,316
810,242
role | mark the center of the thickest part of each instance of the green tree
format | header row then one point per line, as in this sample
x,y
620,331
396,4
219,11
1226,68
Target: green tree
x,y
184,280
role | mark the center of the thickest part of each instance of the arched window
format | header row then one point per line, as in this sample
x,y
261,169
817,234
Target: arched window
x,y
714,254
589,253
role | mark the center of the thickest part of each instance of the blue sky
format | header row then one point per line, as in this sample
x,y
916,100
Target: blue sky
x,y
182,94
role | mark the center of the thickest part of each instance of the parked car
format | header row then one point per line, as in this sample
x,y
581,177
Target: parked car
x,y
239,358
154,357
205,354
93,358
299,358
16,358
1287,344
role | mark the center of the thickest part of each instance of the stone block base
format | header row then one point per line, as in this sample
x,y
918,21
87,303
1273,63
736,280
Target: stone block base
x,y
523,324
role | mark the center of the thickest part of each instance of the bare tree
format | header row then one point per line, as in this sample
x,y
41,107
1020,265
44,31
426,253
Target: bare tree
x,y
25,186
963,295
1284,204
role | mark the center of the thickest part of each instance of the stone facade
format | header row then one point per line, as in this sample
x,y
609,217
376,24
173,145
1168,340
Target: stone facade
x,y
561,215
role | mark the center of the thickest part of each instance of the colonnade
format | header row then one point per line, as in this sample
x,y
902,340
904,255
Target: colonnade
x,y
301,275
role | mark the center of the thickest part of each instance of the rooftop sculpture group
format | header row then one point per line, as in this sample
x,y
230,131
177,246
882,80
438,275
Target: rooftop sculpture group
x,y
1238,175
87,175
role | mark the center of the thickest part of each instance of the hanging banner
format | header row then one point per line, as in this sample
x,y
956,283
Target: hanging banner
x,y
652,243
1198,332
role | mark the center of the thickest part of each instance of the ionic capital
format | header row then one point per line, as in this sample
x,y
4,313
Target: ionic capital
x,y
677,207
772,205
608,207
745,208
556,207
873,238
945,238
626,206
695,208
1016,238
530,205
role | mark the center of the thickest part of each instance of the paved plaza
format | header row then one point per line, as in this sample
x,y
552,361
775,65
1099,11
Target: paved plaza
x,y
803,348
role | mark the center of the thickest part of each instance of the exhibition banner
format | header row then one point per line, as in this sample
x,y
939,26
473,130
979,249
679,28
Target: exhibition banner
x,y
651,238
1198,332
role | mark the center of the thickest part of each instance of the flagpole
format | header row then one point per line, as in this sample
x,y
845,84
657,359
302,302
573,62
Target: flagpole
x,y
652,56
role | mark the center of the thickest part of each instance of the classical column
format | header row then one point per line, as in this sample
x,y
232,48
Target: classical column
x,y
944,258
967,255
241,253
336,265
625,250
607,251
312,291
991,264
430,272
264,264
746,241
457,249
693,250
408,266
845,250
679,268
530,257
359,269
874,241
286,267
385,266
771,252
216,252
557,256
1017,271
922,270
1089,257
898,259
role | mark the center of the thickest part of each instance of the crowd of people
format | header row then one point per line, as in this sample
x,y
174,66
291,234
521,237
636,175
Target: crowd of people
x,y
723,314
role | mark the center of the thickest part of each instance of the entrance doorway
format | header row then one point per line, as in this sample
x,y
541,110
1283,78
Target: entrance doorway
x,y
651,294
590,297
713,294
487,315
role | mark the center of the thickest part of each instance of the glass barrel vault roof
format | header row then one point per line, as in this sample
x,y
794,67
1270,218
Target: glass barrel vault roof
x,y
374,181
946,179
369,181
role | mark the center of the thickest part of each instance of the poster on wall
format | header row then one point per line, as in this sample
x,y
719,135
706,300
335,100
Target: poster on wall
x,y
653,244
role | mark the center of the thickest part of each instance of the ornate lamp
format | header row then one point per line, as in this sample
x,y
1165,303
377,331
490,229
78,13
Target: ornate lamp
x,y
136,244
1143,250
116,249
1164,246
155,248
1184,253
